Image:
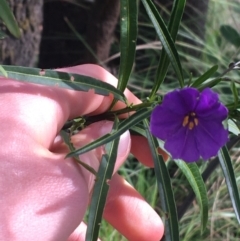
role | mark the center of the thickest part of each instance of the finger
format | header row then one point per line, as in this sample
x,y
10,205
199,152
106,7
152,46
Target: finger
x,y
130,214
93,157
101,74
79,233
141,150
54,192
96,72
42,111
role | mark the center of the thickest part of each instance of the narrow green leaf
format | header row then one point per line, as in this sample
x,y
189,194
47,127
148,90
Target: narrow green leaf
x,y
194,177
232,127
176,17
232,106
235,92
231,35
165,189
128,20
227,168
3,72
205,76
138,129
101,188
67,140
173,26
123,126
166,58
210,84
8,18
62,80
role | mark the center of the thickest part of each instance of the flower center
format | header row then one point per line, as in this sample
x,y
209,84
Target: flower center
x,y
190,120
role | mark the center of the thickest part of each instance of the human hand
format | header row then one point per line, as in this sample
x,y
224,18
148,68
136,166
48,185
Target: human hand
x,y
43,195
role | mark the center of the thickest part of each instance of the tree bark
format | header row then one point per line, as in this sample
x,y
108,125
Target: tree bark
x,y
23,51
102,22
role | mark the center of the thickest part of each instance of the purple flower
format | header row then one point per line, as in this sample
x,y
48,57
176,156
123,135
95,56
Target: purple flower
x,y
190,123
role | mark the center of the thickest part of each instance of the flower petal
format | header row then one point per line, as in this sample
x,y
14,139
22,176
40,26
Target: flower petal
x,y
218,112
164,122
210,107
182,145
181,101
190,122
210,137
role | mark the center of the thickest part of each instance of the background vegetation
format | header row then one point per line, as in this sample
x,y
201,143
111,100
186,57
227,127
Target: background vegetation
x,y
218,47
218,44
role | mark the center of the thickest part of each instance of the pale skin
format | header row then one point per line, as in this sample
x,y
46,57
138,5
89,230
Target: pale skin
x,y
44,196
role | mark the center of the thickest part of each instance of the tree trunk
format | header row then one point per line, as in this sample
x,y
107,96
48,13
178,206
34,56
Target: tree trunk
x,y
23,51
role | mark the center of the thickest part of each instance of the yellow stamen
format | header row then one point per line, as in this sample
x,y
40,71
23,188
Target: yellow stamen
x,y
195,121
185,120
191,125
190,120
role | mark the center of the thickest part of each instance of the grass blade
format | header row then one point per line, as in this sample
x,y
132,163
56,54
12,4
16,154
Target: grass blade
x,y
225,162
61,79
165,189
123,126
129,15
8,18
194,177
101,188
